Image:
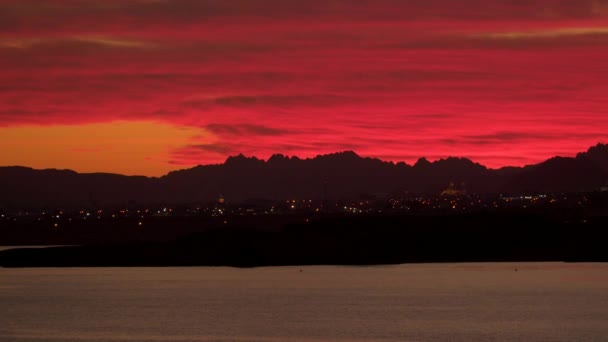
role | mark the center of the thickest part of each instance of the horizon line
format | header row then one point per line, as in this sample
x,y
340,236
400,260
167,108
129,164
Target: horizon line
x,y
242,155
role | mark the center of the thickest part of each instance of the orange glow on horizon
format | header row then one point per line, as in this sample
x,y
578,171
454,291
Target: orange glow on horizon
x,y
130,148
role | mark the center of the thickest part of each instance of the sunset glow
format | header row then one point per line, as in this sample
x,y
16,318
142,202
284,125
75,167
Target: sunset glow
x,y
145,87
122,147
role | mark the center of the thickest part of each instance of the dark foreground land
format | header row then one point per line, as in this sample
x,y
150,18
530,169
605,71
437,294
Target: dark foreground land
x,y
347,240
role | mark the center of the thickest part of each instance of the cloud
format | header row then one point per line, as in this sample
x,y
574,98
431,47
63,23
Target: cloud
x,y
506,137
546,33
244,129
215,148
267,100
58,14
74,42
113,42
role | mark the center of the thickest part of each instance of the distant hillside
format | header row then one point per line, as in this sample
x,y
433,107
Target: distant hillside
x,y
332,176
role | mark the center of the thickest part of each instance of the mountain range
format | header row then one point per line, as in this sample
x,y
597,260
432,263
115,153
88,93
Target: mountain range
x,y
331,176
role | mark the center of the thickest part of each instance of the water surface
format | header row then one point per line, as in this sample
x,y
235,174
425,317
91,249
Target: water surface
x,y
426,302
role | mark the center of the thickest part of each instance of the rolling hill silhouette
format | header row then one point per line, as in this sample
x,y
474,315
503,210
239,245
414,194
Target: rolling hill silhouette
x,y
331,176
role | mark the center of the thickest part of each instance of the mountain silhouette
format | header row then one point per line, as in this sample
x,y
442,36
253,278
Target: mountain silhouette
x,y
343,175
596,154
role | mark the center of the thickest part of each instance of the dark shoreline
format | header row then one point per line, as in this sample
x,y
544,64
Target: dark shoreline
x,y
365,240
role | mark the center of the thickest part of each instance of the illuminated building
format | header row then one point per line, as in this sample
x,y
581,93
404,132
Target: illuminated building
x,y
453,191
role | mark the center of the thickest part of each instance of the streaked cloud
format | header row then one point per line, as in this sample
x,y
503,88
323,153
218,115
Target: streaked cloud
x,y
113,42
267,100
24,43
244,129
548,33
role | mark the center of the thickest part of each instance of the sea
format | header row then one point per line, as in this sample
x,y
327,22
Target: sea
x,y
413,302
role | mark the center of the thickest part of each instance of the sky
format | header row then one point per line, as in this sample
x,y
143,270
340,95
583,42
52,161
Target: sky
x,y
149,86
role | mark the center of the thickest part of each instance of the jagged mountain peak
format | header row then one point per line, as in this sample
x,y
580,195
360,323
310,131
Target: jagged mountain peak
x,y
597,154
346,174
422,162
241,159
339,155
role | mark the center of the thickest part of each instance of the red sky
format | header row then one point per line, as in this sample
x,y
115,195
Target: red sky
x,y
147,86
